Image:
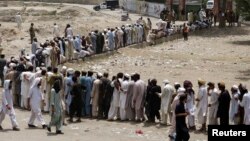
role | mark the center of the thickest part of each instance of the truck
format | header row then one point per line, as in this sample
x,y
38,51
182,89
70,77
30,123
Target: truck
x,y
108,4
210,5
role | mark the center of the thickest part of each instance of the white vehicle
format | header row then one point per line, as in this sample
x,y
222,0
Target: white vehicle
x,y
210,4
108,4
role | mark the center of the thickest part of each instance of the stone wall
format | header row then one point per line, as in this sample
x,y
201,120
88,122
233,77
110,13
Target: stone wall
x,y
63,1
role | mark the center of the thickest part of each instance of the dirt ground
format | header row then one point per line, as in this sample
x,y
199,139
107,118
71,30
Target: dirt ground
x,y
214,55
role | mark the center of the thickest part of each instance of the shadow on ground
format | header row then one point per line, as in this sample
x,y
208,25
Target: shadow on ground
x,y
223,32
242,43
244,75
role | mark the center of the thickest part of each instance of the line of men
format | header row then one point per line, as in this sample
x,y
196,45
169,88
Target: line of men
x,y
124,97
71,46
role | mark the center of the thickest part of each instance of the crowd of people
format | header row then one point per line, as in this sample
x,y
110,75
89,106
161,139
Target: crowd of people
x,y
37,82
67,46
73,46
124,97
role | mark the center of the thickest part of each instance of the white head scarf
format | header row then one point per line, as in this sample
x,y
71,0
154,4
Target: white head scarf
x,y
181,91
166,81
70,71
126,75
64,69
99,74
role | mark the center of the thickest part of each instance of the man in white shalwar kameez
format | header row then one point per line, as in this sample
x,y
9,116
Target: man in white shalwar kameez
x,y
95,95
245,103
56,30
137,30
213,104
138,97
114,106
140,34
202,103
234,106
35,99
123,97
68,83
27,79
128,33
7,106
19,20
172,130
166,97
190,104
202,15
120,37
48,90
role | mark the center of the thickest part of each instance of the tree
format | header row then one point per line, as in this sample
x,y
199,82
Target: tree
x,y
243,8
222,22
204,4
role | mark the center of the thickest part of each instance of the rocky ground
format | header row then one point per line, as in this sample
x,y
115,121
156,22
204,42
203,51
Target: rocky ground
x,y
214,55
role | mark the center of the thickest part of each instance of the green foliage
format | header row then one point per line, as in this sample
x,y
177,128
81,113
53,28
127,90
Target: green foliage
x,y
204,3
243,8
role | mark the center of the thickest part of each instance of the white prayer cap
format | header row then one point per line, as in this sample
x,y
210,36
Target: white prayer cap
x,y
99,74
126,75
166,81
12,65
181,91
176,83
64,68
105,30
38,69
43,68
70,71
235,87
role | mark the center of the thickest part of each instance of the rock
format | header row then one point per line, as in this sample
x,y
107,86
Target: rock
x,y
159,64
184,64
87,130
74,128
21,38
177,66
8,40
